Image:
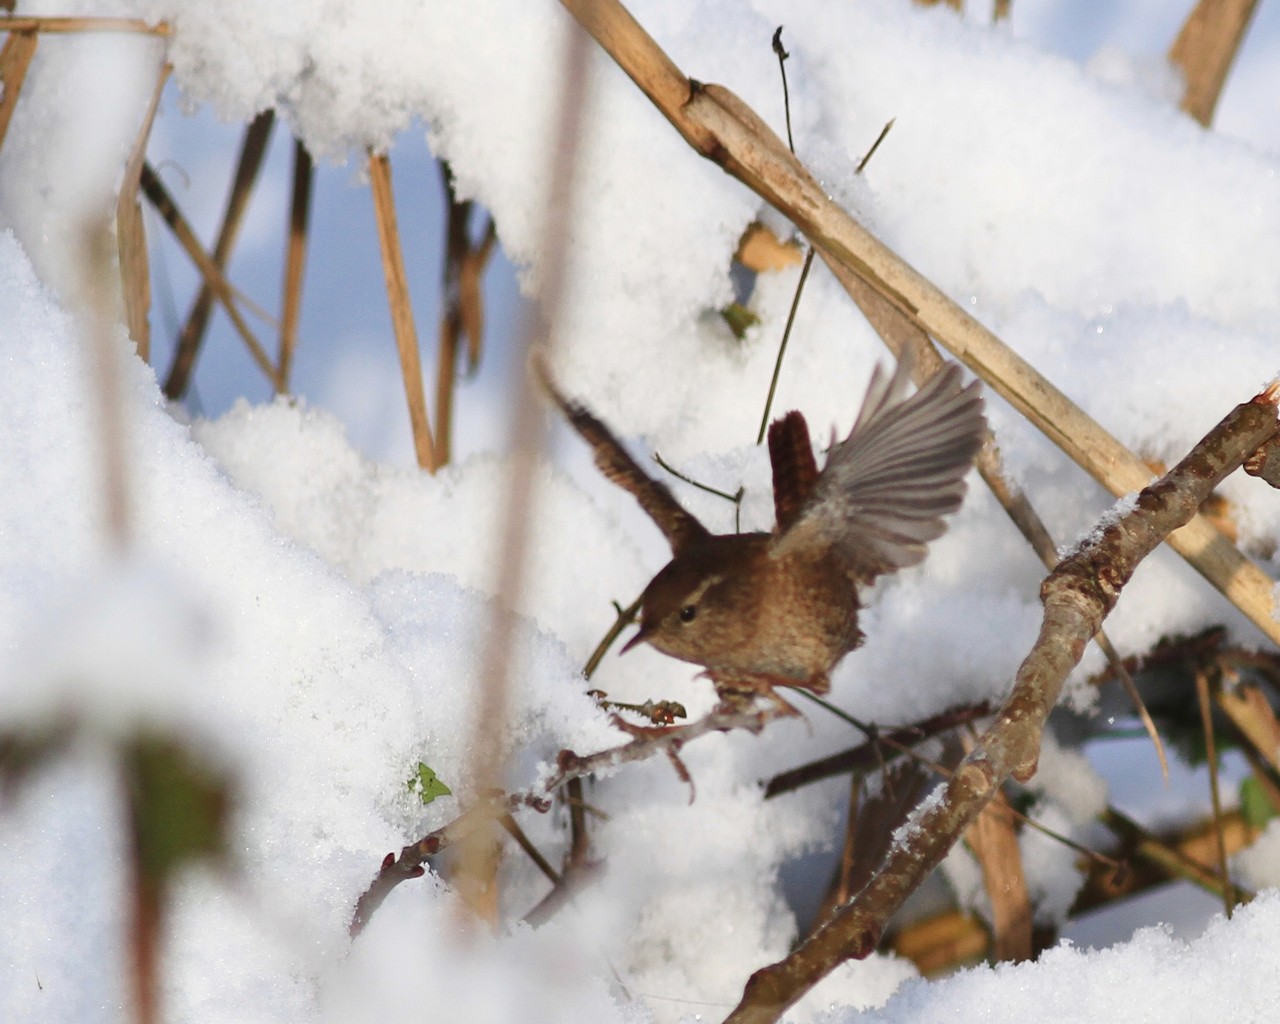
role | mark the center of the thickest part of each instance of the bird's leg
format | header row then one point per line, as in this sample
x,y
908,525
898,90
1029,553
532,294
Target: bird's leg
x,y
740,694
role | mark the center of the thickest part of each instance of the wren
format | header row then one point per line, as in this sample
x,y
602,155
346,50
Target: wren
x,y
759,610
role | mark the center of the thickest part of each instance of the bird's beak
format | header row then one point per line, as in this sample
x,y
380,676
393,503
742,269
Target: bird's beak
x,y
641,636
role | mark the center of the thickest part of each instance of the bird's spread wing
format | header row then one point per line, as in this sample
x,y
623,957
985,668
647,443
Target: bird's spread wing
x,y
884,490
678,526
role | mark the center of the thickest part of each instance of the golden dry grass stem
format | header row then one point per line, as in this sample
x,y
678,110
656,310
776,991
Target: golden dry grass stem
x,y
384,211
1215,795
131,235
159,197
64,25
1206,48
1077,596
477,876
720,127
252,151
15,58
295,259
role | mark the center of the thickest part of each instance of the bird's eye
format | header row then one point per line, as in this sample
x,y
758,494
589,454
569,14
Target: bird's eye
x,y
688,613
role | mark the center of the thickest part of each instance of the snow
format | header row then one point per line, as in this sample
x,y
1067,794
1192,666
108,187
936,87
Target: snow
x,y
310,615
1153,978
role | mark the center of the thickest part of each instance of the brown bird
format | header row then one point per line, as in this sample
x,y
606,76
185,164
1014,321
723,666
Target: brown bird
x,y
760,610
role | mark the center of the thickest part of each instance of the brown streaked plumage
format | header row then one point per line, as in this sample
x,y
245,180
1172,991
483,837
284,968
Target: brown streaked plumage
x,y
760,610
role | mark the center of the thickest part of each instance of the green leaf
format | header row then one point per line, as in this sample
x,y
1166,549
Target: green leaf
x,y
427,785
1255,805
739,318
178,807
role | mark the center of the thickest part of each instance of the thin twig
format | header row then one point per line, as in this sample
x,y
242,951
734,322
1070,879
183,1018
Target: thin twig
x,y
736,497
514,830
624,618
884,132
782,347
384,209
780,50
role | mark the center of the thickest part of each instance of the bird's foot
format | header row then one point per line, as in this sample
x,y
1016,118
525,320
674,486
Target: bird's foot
x,y
742,694
642,732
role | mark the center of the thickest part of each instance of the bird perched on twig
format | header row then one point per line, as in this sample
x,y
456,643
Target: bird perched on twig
x,y
759,610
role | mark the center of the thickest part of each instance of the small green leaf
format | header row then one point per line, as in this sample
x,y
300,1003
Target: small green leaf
x,y
739,318
178,807
427,785
1255,805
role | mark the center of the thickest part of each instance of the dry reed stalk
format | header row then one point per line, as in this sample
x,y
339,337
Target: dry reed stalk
x,y
62,25
1215,797
294,262
153,188
1206,48
252,151
15,58
1077,596
384,210
720,127
131,234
